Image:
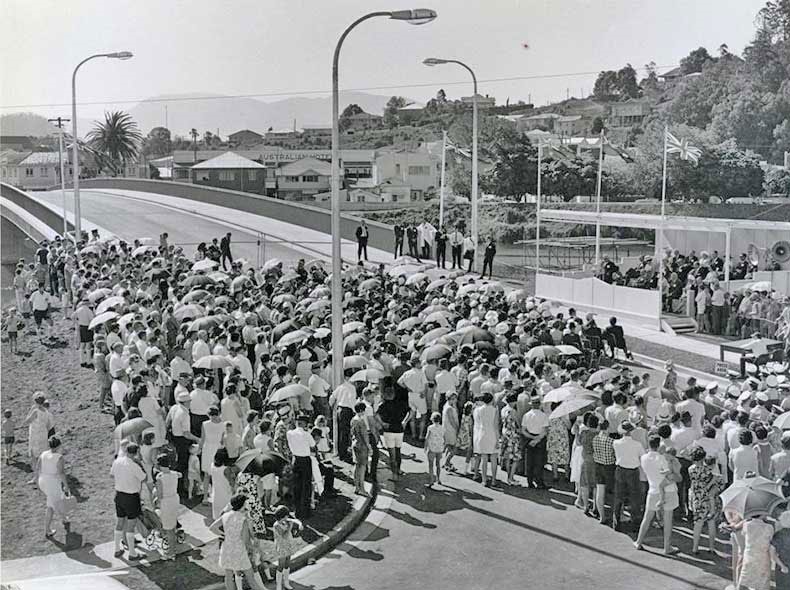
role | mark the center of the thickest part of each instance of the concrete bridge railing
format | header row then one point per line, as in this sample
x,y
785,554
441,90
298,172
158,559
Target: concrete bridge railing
x,y
34,207
315,218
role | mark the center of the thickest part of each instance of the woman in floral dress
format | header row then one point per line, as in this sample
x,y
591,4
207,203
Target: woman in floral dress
x,y
558,446
510,440
704,498
464,442
250,486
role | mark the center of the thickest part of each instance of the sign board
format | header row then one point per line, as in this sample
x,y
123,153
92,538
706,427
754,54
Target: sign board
x,y
721,368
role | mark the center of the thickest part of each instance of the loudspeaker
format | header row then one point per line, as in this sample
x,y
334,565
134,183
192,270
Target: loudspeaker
x,y
781,251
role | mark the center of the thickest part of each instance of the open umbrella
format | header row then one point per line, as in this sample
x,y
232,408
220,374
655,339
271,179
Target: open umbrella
x,y
131,427
762,286
405,260
369,284
197,281
204,323
218,276
271,264
475,334
102,318
212,361
351,327
283,328
432,335
321,333
191,310
466,289
239,283
434,308
566,392
294,337
284,298
567,349
355,361
320,292
260,462
319,305
438,317
403,269
125,319
109,302
417,278
287,278
409,323
196,295
517,295
289,391
572,405
601,376
98,294
369,375
783,421
353,342
222,301
205,264
94,249
486,348
143,250
752,496
147,241
542,352
437,284
437,351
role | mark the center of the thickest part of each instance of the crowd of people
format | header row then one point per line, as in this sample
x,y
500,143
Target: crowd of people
x,y
220,385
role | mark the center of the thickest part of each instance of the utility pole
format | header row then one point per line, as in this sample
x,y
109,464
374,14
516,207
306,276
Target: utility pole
x,y
59,124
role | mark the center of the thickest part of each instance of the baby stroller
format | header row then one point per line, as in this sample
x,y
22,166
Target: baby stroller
x,y
155,538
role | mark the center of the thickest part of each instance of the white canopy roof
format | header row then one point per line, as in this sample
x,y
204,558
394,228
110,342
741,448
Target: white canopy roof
x,y
226,161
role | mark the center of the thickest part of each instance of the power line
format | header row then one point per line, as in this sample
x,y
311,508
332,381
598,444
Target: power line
x,y
312,92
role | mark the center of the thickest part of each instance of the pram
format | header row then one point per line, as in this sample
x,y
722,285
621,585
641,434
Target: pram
x,y
155,538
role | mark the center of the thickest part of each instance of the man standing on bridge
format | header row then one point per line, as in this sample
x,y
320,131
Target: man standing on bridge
x,y
398,231
362,241
224,250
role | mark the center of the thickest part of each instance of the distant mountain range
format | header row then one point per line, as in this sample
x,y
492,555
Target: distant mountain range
x,y
209,112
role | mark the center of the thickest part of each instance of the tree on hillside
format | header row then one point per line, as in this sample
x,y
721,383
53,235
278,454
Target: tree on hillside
x,y
395,103
350,110
777,182
695,61
515,169
616,85
157,142
115,141
650,82
597,126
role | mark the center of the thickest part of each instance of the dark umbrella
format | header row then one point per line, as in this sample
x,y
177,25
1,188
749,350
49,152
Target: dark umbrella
x,y
437,351
487,349
475,334
206,323
261,463
354,341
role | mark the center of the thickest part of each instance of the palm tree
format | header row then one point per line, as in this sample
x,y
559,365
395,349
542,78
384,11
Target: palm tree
x,y
115,140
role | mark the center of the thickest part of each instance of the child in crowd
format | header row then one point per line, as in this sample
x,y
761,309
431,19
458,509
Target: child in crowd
x,y
148,457
25,308
323,443
231,441
193,471
285,529
8,428
12,324
167,499
434,447
464,444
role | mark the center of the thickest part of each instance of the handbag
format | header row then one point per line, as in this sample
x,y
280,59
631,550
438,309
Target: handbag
x,y
67,504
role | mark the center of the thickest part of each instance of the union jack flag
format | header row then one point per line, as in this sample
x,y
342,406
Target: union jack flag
x,y
683,148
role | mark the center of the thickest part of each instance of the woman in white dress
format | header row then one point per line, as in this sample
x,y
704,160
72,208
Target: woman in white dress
x,y
232,410
52,481
233,557
210,437
485,434
152,412
38,422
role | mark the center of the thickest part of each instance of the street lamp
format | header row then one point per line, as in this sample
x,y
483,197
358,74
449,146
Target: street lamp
x,y
75,174
419,16
433,61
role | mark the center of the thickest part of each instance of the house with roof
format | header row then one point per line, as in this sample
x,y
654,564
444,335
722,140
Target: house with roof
x,y
303,179
9,165
570,125
362,121
629,113
230,171
41,170
245,137
543,121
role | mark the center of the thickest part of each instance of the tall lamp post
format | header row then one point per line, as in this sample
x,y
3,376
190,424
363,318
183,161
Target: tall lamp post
x,y
418,16
75,147
433,61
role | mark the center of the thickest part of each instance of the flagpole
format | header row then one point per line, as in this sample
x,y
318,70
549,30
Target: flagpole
x,y
537,216
660,253
598,204
441,186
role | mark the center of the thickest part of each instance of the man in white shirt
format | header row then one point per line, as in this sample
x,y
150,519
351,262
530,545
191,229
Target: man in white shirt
x,y
469,251
82,316
415,381
180,426
200,348
693,406
744,459
242,363
201,400
39,303
128,479
616,414
300,442
446,382
660,491
456,240
118,363
628,453
118,390
319,389
534,427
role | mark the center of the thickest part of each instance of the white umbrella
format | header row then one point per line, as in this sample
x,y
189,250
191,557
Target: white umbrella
x,y
102,318
562,394
601,376
321,333
466,289
437,284
212,361
369,375
572,405
318,305
404,269
143,250
293,338
270,264
762,286
108,303
417,278
147,241
289,391
567,349
783,421
350,327
438,317
98,294
205,264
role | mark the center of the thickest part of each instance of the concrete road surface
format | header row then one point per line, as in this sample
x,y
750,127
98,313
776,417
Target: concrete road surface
x,y
462,535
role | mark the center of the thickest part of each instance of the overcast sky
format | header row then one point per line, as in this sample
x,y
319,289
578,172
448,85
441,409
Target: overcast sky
x,y
285,46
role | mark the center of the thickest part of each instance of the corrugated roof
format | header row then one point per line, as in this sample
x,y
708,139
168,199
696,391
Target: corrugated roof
x,y
301,167
228,160
40,159
12,157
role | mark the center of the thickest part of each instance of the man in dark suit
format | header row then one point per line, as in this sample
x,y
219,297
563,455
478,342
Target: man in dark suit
x,y
411,237
362,241
398,231
488,259
615,337
441,249
224,250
